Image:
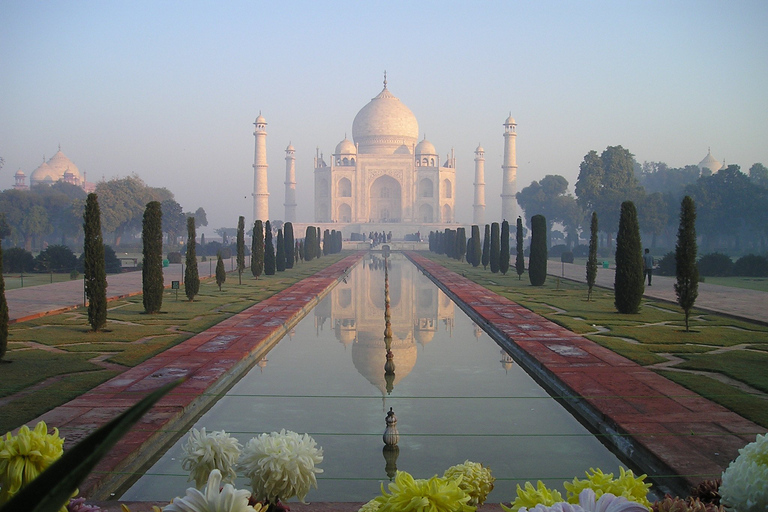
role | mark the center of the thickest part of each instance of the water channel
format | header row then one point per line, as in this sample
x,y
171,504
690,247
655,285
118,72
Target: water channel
x,y
456,394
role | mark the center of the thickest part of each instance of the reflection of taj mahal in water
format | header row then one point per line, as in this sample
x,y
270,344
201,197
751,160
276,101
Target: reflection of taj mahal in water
x,y
355,310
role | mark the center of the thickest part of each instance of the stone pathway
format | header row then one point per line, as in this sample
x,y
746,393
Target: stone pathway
x,y
737,302
679,436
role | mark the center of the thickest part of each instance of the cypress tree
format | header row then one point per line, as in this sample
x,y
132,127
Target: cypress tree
x,y
495,247
326,242
289,243
269,251
95,273
152,266
628,284
461,243
257,249
280,254
221,274
504,254
687,273
309,243
476,246
537,263
592,259
191,276
520,258
4,319
300,249
486,256
240,248
202,240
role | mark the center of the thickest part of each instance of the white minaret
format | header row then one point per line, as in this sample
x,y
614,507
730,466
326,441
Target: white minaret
x,y
260,188
508,188
479,214
290,185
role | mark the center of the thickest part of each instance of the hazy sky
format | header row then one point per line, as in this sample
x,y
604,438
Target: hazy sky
x,y
169,90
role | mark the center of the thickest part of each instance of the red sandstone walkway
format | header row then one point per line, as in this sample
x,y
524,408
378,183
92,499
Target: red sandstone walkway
x,y
673,431
212,361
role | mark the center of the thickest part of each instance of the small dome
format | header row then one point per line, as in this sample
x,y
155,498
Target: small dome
x,y
20,174
346,147
710,163
479,149
44,172
510,120
260,119
424,337
290,148
425,148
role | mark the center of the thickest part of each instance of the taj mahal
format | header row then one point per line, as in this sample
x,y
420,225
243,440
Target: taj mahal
x,y
385,179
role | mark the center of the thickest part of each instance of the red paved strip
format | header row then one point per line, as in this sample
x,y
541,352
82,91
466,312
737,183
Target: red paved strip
x,y
658,424
212,361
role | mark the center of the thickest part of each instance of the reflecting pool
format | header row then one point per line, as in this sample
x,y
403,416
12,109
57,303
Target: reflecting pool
x,y
456,395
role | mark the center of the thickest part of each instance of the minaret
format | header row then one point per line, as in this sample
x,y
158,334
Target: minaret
x,y
290,185
508,188
479,214
260,189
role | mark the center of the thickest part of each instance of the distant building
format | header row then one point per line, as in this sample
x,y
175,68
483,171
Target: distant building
x,y
710,163
58,169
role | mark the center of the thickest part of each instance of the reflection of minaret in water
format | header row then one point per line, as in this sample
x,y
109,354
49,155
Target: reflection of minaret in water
x,y
389,366
506,361
478,332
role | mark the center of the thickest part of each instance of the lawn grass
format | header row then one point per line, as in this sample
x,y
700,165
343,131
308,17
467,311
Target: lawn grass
x,y
13,281
62,345
648,337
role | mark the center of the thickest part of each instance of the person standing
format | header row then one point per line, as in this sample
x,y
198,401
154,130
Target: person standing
x,y
648,265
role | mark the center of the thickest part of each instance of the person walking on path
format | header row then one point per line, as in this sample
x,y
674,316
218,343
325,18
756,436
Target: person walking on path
x,y
648,265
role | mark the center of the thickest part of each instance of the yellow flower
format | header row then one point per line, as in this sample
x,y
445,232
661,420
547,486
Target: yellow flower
x,y
24,456
371,506
532,496
476,480
629,486
433,495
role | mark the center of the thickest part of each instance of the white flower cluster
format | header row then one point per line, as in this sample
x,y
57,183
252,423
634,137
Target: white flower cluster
x,y
205,452
745,481
588,502
215,499
281,465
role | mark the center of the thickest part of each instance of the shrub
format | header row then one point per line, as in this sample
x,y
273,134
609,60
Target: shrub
x,y
174,257
56,258
751,265
17,259
557,250
581,251
566,257
715,264
666,266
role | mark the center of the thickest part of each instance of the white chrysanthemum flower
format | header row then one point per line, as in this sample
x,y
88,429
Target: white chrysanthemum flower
x,y
205,452
744,487
560,506
228,499
281,465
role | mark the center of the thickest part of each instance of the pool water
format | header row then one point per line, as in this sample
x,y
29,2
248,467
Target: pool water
x,y
455,393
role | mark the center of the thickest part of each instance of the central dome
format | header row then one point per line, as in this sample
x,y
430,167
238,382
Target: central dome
x,y
384,125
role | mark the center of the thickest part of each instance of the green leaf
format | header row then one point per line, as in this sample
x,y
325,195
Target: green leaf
x,y
54,487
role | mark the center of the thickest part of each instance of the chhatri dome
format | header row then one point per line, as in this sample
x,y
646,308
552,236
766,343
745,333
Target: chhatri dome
x,y
710,163
425,147
384,125
55,169
346,147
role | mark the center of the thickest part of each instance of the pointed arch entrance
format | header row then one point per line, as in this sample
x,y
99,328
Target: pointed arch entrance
x,y
386,200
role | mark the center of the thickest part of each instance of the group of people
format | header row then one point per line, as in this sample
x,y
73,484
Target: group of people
x,y
379,238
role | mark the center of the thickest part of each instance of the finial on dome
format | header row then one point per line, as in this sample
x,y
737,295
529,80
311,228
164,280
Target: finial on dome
x,y
385,78
59,146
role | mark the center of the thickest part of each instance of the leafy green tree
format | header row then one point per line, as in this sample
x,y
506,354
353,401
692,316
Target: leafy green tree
x,y
309,243
461,243
537,262
520,257
95,278
605,181
653,215
269,251
280,254
191,274
122,202
56,258
687,273
549,197
240,248
290,243
152,266
592,258
486,256
221,273
201,218
628,283
758,173
495,247
174,220
257,249
4,319
17,259
504,254
477,250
